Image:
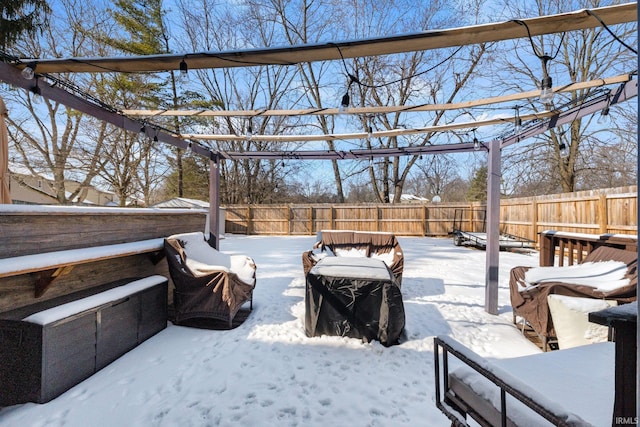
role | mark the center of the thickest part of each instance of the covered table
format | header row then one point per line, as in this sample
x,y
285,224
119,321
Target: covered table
x,y
354,297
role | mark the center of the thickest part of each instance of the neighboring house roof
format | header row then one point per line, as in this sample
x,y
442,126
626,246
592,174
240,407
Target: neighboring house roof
x,y
22,170
181,202
42,184
410,198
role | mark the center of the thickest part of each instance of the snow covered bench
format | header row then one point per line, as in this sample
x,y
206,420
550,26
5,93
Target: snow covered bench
x,y
51,265
573,387
49,347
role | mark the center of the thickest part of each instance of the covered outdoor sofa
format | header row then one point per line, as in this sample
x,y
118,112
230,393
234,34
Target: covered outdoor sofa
x,y
353,282
347,243
530,300
208,284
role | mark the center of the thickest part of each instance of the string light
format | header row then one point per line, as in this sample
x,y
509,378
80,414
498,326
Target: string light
x,y
346,99
546,84
344,104
564,151
517,123
249,134
476,143
29,71
589,12
546,91
37,94
604,114
184,71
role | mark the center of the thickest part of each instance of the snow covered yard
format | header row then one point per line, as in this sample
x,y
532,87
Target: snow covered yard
x,y
268,373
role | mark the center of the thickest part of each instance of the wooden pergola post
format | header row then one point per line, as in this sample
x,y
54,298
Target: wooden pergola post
x,y
494,175
214,202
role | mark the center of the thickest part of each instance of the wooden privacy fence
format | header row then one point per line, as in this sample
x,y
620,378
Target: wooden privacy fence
x,y
596,212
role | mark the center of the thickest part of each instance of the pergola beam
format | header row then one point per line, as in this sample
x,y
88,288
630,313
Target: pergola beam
x,y
623,93
371,110
363,135
289,55
11,74
349,155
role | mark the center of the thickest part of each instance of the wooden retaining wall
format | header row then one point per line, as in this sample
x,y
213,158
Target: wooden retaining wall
x,y
598,212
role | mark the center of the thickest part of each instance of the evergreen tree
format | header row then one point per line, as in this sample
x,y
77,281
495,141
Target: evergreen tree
x,y
18,17
478,186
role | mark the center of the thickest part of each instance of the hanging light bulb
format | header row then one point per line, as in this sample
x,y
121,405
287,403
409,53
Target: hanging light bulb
x,y
546,92
476,143
517,123
249,134
604,116
344,104
564,151
37,94
29,71
369,132
184,71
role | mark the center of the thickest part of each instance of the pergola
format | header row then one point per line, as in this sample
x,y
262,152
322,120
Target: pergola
x,y
10,72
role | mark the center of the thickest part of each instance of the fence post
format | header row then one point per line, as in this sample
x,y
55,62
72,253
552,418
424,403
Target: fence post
x,y
248,219
603,213
534,219
311,220
332,219
424,220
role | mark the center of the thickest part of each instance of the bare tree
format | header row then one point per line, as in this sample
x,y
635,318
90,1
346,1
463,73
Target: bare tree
x,y
303,22
558,156
434,176
255,88
57,144
437,77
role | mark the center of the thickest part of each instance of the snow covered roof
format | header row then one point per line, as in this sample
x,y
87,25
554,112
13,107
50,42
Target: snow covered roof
x,y
409,198
181,202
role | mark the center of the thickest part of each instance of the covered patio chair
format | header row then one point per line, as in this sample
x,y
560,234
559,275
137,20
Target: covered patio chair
x,y
208,284
530,300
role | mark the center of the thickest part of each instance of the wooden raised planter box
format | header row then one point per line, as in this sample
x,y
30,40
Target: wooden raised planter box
x,y
42,360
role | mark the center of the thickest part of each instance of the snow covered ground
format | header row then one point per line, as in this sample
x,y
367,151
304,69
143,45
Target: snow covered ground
x,y
268,373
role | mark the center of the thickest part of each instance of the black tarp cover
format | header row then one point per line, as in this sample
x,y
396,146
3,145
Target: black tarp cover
x,y
350,297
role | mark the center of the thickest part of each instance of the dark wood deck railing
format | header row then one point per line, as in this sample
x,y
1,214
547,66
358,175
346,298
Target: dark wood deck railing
x,y
575,246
